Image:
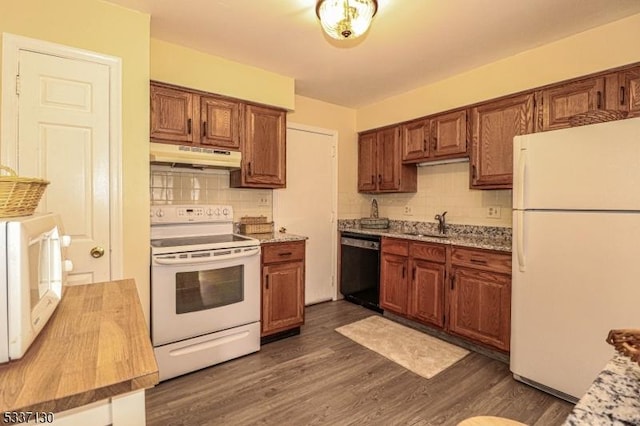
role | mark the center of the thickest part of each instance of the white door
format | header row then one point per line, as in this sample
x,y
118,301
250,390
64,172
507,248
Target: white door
x,y
63,136
307,205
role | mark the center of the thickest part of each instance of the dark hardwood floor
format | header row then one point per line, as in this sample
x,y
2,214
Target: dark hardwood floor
x,y
321,377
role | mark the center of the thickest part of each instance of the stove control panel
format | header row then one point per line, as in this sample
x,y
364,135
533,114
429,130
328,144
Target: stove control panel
x,y
186,213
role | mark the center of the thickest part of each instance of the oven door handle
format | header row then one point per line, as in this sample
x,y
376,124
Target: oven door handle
x,y
245,253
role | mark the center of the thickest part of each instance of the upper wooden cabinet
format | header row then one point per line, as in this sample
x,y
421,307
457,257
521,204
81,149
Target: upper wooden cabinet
x,y
435,138
380,168
628,91
559,104
263,149
172,115
379,165
220,122
494,126
182,116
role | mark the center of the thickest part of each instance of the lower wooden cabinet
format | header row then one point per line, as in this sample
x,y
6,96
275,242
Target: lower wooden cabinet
x,y
282,286
465,291
480,296
412,280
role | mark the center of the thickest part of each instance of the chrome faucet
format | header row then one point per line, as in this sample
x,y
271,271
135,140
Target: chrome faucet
x,y
441,223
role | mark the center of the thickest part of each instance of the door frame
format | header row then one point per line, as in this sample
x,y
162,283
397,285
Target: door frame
x,y
334,195
11,46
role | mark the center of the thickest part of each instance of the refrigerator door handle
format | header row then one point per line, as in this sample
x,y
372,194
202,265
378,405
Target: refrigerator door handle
x,y
519,180
520,240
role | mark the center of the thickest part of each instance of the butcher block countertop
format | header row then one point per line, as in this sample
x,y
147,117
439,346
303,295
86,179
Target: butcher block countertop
x,y
95,346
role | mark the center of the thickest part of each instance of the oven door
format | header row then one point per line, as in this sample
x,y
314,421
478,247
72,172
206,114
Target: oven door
x,y
202,292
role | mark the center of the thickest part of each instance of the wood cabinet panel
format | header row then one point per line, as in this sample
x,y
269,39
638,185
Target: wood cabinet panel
x,y
449,134
427,251
415,144
426,301
282,252
282,286
220,122
263,149
282,296
481,259
394,291
480,307
380,168
629,91
560,103
494,126
395,246
172,115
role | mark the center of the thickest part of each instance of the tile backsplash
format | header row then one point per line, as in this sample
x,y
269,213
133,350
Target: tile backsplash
x,y
210,186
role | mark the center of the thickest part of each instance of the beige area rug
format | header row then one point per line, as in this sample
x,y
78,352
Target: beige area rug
x,y
416,351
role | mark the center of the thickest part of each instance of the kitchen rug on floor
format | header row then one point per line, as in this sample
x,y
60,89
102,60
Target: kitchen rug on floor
x,y
416,351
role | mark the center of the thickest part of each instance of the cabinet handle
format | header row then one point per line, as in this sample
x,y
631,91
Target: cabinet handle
x,y
373,179
414,273
204,128
621,95
599,99
453,282
480,261
249,168
267,281
424,144
404,271
474,172
189,126
434,143
285,253
379,179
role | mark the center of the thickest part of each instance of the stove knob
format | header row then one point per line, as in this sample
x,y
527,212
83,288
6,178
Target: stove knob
x,y
217,212
159,213
225,212
209,212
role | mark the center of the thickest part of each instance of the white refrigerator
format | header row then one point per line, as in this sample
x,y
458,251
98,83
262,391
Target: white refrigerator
x,y
576,252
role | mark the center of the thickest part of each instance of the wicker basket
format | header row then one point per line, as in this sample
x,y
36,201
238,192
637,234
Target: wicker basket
x,y
19,196
255,225
627,342
598,116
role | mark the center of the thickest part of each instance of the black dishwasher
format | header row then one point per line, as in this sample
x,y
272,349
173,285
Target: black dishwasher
x,y
360,269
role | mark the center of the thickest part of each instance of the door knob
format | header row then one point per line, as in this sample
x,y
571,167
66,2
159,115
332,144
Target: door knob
x,y
97,252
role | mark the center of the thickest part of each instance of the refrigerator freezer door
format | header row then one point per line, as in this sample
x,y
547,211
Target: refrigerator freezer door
x,y
594,167
580,280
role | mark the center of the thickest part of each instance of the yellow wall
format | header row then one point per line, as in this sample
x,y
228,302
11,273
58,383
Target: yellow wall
x,y
179,65
102,27
598,49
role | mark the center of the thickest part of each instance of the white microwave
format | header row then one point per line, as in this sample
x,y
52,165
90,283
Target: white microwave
x,y
32,272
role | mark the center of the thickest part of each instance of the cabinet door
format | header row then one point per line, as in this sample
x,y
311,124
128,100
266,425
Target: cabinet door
x,y
367,173
415,146
629,91
264,148
480,306
388,159
393,283
220,122
493,127
449,135
426,302
559,104
171,115
282,296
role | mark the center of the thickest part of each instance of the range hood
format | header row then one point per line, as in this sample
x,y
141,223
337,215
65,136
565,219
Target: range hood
x,y
193,156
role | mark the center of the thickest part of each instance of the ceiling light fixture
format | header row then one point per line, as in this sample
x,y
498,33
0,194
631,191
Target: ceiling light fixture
x,y
345,19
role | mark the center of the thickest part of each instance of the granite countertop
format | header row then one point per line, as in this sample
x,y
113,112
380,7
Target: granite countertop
x,y
489,238
613,398
277,237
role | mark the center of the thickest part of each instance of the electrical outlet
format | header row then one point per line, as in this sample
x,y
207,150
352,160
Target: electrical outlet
x,y
263,201
408,211
493,212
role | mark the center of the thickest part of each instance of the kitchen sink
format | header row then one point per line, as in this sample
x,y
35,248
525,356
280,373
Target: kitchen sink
x,y
426,234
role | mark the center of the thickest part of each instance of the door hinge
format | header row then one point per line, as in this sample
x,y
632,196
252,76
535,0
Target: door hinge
x,y
18,84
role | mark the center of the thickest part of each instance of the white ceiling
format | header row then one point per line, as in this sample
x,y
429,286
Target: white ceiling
x,y
410,43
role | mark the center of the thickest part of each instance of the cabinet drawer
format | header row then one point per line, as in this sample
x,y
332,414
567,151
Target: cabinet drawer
x,y
481,259
394,246
425,251
282,252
